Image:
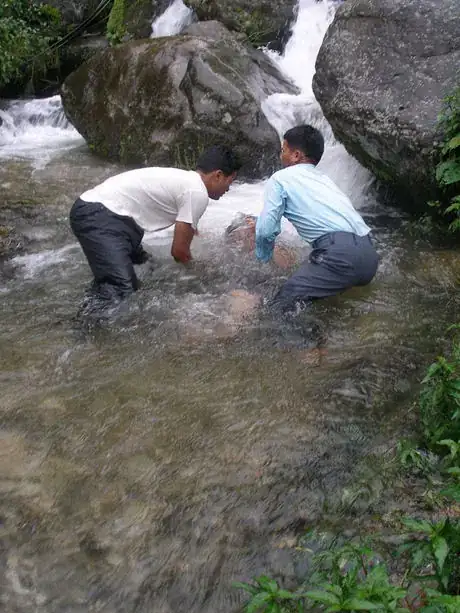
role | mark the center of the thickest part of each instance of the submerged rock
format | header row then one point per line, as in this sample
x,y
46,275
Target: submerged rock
x,y
381,74
161,101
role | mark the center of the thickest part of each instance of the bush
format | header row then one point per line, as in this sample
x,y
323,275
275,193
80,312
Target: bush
x,y
448,168
26,30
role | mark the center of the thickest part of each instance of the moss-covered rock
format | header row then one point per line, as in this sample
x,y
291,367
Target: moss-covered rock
x,y
161,101
264,22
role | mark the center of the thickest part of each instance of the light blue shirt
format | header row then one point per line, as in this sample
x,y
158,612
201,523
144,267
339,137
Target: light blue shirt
x,y
311,201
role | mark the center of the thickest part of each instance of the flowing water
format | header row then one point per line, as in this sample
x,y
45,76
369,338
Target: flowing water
x,y
147,464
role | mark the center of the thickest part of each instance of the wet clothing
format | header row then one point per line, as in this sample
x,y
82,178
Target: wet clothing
x,y
111,244
109,221
154,197
343,255
338,261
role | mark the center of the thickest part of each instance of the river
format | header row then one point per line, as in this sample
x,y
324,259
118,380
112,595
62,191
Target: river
x,y
148,464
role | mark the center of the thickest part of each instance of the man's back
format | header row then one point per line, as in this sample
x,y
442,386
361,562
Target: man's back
x,y
313,203
151,196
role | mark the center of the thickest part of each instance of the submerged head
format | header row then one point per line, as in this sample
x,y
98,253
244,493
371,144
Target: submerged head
x,y
217,167
302,145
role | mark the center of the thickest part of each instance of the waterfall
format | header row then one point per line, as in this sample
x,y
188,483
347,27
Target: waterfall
x,y
36,129
176,17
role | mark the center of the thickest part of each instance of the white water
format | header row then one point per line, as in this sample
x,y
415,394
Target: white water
x,y
176,17
38,129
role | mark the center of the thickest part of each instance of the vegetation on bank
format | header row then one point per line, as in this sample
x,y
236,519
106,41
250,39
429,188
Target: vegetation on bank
x,y
448,167
26,31
420,572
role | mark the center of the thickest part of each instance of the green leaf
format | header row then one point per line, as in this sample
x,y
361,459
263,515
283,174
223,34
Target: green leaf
x,y
246,587
257,602
286,595
416,525
440,550
452,144
267,584
448,173
323,597
361,605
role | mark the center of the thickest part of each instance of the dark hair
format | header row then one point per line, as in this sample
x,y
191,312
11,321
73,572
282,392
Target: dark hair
x,y
219,157
307,139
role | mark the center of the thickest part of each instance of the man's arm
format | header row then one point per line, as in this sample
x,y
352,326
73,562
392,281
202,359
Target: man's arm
x,y
192,206
269,221
183,235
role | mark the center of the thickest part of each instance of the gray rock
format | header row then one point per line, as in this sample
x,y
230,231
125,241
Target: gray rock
x,y
161,101
264,22
138,17
381,74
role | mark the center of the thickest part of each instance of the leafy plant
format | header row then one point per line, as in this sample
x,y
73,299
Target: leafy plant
x,y
448,168
267,596
439,400
434,551
354,578
26,30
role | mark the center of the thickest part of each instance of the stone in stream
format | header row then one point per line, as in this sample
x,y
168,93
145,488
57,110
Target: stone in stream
x,y
162,101
381,74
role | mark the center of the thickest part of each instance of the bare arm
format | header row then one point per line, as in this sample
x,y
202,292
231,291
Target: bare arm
x,y
183,236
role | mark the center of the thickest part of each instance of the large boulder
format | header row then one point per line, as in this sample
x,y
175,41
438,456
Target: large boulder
x,y
265,22
161,101
381,75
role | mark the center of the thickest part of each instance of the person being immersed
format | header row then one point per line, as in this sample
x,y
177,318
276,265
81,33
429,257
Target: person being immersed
x,y
109,220
343,254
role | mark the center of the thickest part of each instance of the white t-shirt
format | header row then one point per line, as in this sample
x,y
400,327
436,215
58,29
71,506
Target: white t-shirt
x,y
154,197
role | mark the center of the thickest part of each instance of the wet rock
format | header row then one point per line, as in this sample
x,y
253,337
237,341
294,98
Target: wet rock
x,y
263,22
162,101
73,55
381,74
10,242
139,15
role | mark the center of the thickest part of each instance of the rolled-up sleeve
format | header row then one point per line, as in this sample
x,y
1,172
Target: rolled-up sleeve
x,y
269,221
192,205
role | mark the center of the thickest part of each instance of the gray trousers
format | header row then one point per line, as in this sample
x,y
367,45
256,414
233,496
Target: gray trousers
x,y
338,261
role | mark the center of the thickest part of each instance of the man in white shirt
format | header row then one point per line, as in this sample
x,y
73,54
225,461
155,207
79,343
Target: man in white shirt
x,y
109,220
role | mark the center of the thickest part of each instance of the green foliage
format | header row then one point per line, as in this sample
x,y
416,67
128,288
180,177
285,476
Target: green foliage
x,y
354,577
434,550
439,400
267,596
448,168
115,25
26,30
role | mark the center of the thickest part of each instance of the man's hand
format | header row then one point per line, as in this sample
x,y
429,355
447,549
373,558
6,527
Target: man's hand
x,y
183,235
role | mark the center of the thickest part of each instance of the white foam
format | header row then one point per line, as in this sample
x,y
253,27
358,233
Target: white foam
x,y
34,263
36,129
175,18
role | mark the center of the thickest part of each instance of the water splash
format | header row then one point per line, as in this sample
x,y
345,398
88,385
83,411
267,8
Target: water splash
x,y
284,111
36,129
176,17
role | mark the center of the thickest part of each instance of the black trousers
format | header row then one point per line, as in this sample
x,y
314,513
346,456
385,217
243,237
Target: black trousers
x,y
111,244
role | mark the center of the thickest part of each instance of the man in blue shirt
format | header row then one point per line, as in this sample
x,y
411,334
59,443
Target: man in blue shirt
x,y
343,254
